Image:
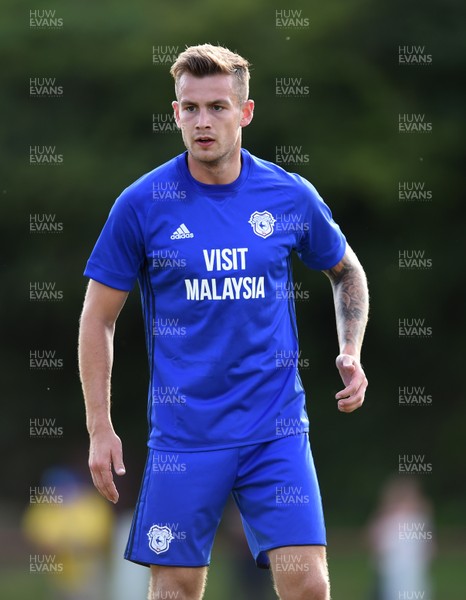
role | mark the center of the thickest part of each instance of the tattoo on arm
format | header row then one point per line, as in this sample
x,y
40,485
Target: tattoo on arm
x,y
351,300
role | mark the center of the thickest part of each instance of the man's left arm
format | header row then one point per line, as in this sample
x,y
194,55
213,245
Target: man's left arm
x,y
351,298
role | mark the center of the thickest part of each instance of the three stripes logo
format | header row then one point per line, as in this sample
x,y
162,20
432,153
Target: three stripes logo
x,y
181,233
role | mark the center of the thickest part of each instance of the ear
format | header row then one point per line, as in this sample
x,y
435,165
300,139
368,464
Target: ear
x,y
247,113
176,112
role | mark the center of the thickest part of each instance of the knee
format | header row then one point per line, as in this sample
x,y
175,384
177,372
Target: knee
x,y
175,582
181,590
316,588
301,573
311,587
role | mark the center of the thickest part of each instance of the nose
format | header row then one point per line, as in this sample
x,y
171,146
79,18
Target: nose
x,y
203,119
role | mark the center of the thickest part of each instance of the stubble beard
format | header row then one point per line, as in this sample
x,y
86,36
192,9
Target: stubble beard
x,y
213,162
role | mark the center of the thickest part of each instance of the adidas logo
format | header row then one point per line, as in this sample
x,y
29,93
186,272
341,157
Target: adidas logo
x,y
181,233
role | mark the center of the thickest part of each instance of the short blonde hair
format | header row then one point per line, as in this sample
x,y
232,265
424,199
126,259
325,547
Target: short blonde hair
x,y
206,59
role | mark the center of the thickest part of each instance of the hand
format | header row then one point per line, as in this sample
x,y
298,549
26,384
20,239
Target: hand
x,y
106,451
355,381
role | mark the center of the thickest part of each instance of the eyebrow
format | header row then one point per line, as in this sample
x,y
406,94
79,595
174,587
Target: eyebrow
x,y
218,101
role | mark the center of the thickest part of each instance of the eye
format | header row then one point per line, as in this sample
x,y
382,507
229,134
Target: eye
x,y
189,108
217,108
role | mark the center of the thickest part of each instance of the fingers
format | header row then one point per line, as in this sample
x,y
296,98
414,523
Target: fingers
x,y
118,464
352,401
103,481
352,374
101,458
352,388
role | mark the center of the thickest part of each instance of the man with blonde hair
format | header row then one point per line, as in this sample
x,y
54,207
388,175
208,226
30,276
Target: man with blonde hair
x,y
226,405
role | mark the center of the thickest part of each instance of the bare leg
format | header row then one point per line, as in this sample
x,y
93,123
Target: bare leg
x,y
177,583
300,572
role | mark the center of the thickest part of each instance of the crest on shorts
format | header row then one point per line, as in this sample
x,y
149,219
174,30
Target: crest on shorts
x,y
159,538
262,223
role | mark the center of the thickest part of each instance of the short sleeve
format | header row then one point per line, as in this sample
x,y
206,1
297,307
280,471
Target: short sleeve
x,y
322,244
119,251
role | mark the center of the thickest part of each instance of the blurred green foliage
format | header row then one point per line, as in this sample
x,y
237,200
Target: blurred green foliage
x,y
102,56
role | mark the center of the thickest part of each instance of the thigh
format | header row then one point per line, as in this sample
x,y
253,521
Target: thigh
x,y
300,572
179,508
278,495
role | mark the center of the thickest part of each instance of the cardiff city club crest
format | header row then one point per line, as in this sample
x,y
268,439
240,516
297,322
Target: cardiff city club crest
x,y
159,538
262,223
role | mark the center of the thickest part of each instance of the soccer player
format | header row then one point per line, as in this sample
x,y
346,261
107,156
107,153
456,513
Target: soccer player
x,y
226,407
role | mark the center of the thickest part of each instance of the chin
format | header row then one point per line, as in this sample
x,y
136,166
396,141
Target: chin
x,y
204,157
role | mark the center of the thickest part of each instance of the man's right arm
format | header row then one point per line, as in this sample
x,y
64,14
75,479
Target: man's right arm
x,y
102,305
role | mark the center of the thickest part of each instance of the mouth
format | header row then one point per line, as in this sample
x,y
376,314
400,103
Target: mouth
x,y
204,141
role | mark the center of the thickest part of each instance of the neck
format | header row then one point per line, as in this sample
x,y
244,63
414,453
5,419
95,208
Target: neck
x,y
221,172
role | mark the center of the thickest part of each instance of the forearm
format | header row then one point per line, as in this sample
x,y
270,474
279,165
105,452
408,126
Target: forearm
x,y
351,299
95,368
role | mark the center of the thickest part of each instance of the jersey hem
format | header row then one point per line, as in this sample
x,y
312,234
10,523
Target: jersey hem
x,y
223,446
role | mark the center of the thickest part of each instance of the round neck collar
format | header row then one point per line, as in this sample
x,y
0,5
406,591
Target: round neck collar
x,y
212,188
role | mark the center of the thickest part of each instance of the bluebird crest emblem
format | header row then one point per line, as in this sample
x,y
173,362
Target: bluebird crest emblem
x,y
159,538
262,223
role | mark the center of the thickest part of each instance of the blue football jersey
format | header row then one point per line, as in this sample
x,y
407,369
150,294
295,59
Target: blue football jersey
x,y
213,263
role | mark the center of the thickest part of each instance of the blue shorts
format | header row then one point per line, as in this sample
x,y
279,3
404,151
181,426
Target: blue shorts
x,y
183,495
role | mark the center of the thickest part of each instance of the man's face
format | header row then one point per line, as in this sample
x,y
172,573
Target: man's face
x,y
209,113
